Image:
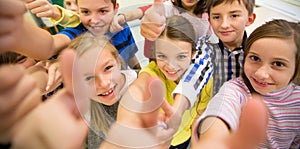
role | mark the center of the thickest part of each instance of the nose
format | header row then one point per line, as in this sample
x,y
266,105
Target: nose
x,y
95,19
171,64
225,22
74,7
262,72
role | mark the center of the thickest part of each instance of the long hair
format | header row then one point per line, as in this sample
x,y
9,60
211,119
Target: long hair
x,y
99,117
281,29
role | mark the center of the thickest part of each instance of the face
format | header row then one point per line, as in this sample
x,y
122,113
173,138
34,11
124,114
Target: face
x,y
270,64
97,15
228,21
104,79
173,57
189,4
71,5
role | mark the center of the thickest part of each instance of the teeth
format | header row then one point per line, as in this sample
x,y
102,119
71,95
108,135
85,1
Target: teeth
x,y
106,93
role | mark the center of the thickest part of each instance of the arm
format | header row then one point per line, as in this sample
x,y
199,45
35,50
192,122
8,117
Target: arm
x,y
127,16
57,14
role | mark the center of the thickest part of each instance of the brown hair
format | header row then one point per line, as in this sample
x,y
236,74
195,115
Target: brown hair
x,y
249,4
179,28
200,6
281,29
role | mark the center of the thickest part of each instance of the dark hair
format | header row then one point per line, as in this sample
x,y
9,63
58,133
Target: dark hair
x,y
200,6
249,4
281,29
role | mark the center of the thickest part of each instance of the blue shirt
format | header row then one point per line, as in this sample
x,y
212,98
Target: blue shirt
x,y
122,40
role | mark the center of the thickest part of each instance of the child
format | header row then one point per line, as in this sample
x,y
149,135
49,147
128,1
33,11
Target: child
x,y
173,50
96,17
228,19
101,66
271,65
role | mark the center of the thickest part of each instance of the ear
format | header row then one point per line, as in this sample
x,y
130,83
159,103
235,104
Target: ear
x,y
251,19
117,7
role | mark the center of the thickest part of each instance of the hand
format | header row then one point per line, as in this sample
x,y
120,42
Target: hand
x,y
54,75
139,119
58,122
11,17
116,23
252,129
42,8
154,20
18,96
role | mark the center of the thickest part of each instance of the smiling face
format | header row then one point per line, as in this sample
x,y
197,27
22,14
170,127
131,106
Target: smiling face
x,y
97,15
102,73
229,20
173,57
270,64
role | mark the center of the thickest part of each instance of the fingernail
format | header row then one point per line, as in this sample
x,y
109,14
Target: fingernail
x,y
47,88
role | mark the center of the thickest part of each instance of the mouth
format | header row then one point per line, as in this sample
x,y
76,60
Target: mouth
x,y
226,32
260,83
172,73
107,93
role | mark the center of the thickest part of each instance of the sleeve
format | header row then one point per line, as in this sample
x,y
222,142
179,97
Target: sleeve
x,y
197,75
227,104
68,18
144,8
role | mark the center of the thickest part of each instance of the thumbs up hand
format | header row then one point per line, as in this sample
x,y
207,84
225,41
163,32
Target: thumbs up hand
x,y
153,22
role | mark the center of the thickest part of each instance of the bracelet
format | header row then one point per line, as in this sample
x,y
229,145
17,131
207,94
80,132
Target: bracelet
x,y
123,16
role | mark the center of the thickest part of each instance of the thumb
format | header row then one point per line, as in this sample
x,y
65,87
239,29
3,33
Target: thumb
x,y
72,81
253,125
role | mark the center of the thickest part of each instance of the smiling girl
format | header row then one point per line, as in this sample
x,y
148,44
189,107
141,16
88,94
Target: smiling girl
x,y
106,82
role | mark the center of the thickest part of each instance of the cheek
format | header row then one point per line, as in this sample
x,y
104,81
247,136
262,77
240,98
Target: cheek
x,y
116,76
160,64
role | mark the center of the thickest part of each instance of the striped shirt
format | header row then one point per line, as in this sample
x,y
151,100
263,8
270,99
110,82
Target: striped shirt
x,y
284,112
122,40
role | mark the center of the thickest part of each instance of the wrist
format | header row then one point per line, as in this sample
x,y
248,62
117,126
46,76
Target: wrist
x,y
57,13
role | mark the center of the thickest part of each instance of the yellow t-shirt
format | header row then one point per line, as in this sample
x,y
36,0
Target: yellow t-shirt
x,y
189,116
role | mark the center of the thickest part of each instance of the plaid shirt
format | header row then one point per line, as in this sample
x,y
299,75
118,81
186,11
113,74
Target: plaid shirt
x,y
228,64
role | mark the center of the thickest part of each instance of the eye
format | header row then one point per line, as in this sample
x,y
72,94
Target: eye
x,y
215,17
108,67
68,3
103,11
161,56
254,58
278,64
235,15
84,12
181,57
21,59
89,78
